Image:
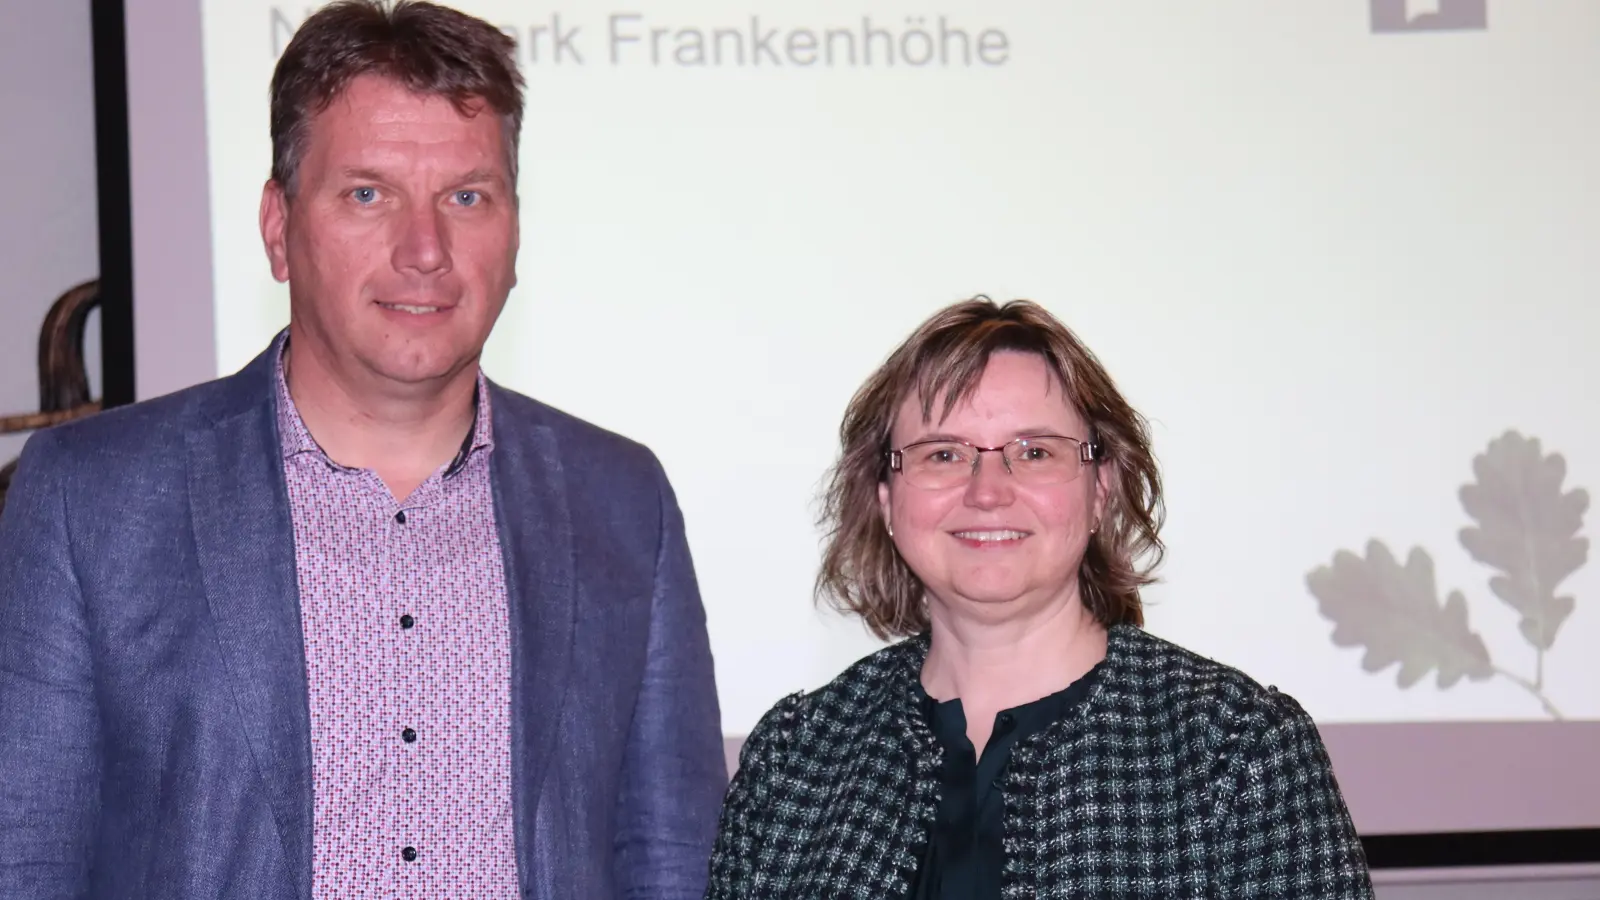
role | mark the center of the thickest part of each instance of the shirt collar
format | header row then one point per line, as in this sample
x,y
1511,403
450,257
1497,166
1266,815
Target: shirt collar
x,y
912,652
295,438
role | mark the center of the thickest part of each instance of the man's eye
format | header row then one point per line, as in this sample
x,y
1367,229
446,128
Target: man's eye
x,y
364,194
468,198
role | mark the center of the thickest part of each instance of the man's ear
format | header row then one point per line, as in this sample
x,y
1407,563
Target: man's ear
x,y
516,240
274,228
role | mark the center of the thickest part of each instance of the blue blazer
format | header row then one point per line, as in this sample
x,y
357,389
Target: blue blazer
x,y
154,721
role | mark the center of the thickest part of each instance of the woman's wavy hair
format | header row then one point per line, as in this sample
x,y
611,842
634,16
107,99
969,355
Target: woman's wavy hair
x,y
862,573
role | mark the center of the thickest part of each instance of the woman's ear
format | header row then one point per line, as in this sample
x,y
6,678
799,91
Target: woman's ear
x,y
1106,479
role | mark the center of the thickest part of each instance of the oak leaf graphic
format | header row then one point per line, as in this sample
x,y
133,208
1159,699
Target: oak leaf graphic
x,y
1394,612
1527,530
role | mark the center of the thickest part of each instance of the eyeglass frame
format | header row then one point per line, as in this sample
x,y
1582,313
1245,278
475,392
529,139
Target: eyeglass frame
x,y
1090,451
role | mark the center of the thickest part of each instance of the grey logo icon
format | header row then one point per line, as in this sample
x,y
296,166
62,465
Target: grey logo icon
x,y
1429,15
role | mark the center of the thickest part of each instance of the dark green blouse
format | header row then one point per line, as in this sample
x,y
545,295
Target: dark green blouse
x,y
966,847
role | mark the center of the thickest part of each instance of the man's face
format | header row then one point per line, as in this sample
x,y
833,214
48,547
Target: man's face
x,y
399,243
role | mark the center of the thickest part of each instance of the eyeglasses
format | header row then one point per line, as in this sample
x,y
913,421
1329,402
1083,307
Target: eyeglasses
x,y
1037,460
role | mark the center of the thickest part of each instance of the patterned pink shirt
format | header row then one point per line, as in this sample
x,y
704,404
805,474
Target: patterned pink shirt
x,y
404,612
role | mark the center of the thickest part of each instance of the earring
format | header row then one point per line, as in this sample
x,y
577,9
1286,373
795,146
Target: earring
x,y
890,526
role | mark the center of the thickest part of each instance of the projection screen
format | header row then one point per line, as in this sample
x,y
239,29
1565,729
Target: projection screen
x,y
1341,253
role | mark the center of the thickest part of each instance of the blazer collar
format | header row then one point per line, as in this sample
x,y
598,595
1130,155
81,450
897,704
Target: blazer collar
x,y
528,471
244,540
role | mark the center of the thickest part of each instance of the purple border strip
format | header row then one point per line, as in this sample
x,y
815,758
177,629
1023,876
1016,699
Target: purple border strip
x,y
1413,778
1467,776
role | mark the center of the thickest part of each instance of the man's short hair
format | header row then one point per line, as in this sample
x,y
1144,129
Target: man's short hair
x,y
428,48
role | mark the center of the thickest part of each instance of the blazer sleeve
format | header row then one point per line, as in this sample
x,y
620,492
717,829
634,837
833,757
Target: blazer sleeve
x,y
49,724
1288,834
674,771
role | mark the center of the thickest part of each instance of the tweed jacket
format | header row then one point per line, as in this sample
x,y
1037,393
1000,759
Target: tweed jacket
x,y
1177,777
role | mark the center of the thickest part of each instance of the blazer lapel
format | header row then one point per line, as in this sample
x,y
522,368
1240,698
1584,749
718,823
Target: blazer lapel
x,y
535,530
245,542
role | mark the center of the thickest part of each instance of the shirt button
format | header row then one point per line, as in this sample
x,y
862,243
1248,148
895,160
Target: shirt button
x,y
409,736
400,517
408,853
1007,721
406,621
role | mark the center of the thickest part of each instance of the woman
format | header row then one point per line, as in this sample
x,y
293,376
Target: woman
x,y
997,507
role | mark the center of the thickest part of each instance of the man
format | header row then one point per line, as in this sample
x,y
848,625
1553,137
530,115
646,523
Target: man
x,y
355,621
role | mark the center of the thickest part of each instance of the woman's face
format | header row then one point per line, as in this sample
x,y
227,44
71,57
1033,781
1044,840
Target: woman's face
x,y
994,546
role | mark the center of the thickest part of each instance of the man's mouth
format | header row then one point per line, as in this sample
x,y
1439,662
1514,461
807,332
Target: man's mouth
x,y
410,308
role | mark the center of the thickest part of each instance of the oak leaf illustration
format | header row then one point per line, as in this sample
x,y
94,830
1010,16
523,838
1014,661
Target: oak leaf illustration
x,y
1394,612
1527,530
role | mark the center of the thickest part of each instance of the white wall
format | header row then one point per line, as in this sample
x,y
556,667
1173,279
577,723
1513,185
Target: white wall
x,y
48,227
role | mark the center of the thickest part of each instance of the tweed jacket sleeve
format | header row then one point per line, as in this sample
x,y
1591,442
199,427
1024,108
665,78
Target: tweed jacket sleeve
x,y
746,822
1287,834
